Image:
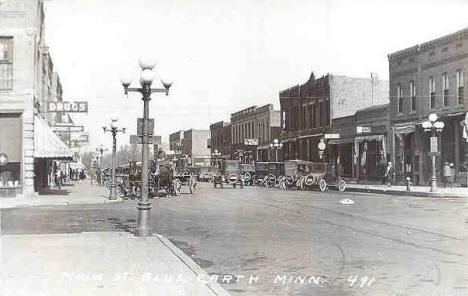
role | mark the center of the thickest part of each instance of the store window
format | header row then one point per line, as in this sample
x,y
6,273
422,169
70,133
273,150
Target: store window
x,y
10,128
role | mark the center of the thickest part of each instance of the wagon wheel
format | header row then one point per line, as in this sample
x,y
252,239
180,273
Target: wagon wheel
x,y
342,185
282,184
322,185
301,183
309,180
176,186
289,181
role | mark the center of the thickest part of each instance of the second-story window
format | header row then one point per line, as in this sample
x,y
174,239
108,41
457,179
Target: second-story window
x,y
400,98
413,95
314,115
432,93
6,63
460,86
445,88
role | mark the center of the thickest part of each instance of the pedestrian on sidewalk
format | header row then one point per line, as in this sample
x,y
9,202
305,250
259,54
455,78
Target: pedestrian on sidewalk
x,y
58,177
389,172
447,174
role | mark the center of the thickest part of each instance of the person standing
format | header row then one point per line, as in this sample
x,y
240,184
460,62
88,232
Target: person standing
x,y
58,177
389,172
447,174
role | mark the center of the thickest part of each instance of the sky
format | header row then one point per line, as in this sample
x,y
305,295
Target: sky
x,y
224,55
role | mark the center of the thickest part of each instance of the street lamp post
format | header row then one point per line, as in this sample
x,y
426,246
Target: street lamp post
x,y
113,129
276,145
321,146
147,76
101,150
215,155
434,127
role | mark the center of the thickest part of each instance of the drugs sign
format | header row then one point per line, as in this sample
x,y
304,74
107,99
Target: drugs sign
x,y
69,107
137,139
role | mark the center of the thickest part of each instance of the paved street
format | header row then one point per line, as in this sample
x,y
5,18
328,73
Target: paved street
x,y
294,242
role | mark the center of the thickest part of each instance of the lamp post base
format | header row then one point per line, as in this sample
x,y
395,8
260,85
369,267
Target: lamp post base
x,y
112,195
143,228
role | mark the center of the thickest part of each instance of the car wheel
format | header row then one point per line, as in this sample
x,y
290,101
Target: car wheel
x,y
342,185
322,185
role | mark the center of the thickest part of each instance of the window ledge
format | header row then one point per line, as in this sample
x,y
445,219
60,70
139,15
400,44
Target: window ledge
x,y
412,112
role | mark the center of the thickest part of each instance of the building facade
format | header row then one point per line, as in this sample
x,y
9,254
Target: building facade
x,y
252,131
195,146
221,139
309,112
27,82
176,141
424,79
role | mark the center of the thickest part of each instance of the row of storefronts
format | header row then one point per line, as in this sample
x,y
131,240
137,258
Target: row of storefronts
x,y
30,151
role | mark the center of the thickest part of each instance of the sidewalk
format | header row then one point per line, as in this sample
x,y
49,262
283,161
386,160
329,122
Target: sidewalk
x,y
71,193
99,263
415,190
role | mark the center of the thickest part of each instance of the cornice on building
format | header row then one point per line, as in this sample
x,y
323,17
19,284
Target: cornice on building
x,y
442,41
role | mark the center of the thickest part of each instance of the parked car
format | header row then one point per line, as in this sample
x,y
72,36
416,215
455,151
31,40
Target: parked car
x,y
248,173
306,175
269,173
229,173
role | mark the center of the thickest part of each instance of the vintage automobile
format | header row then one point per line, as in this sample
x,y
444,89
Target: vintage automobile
x,y
307,175
229,172
269,173
205,173
248,173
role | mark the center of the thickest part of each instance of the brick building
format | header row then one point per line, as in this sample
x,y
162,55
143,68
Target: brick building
x,y
310,110
27,82
424,79
221,139
252,131
176,141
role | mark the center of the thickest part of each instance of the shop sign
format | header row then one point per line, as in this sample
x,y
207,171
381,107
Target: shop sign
x,y
137,139
140,126
69,107
3,159
363,129
434,146
332,136
66,129
250,142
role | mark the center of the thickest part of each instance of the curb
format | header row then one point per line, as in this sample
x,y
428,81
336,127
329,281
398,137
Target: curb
x,y
404,192
197,270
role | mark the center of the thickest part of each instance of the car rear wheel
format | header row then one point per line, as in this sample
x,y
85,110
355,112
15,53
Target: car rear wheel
x,y
322,185
342,185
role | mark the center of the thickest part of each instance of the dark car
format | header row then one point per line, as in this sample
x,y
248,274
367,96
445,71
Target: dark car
x,y
269,173
248,173
229,173
307,175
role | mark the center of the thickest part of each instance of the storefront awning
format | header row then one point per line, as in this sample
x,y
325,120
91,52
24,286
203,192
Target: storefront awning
x,y
340,141
406,129
47,144
370,138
